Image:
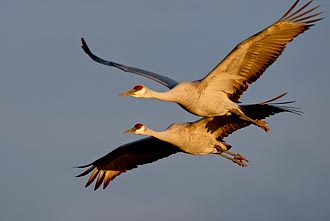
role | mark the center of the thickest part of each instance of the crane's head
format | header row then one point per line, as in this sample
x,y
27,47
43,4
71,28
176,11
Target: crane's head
x,y
137,91
137,129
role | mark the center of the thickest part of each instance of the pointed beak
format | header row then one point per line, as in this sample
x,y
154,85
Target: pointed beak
x,y
129,131
127,93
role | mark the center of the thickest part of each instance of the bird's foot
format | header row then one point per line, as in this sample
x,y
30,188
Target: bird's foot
x,y
263,125
260,123
235,157
239,159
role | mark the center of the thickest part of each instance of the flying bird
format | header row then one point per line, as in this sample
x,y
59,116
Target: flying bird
x,y
219,92
150,149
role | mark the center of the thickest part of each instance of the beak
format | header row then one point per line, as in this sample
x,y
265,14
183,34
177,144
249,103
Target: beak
x,y
129,131
127,93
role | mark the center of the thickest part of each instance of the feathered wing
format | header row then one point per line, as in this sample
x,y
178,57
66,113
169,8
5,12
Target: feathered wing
x,y
166,81
127,157
248,60
223,126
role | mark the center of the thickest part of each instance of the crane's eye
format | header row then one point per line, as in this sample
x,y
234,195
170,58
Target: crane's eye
x,y
138,126
138,87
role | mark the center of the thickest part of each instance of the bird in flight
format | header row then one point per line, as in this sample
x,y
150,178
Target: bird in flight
x,y
180,138
219,92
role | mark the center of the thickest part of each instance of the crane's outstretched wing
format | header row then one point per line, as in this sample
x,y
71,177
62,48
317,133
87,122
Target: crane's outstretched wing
x,y
127,157
166,81
222,126
248,60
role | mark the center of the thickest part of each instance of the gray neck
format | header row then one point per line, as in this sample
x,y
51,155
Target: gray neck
x,y
161,135
168,96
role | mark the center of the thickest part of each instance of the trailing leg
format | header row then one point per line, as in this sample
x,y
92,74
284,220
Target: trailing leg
x,y
234,157
260,123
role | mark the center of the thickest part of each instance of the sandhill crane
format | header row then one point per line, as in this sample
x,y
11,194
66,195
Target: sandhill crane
x,y
150,149
219,91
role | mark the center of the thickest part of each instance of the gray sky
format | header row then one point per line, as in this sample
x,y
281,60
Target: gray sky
x,y
59,110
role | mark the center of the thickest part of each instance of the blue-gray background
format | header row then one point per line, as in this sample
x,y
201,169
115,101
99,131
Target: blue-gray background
x,y
59,109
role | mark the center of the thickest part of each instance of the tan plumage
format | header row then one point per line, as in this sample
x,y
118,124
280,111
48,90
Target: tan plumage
x,y
219,91
248,61
150,149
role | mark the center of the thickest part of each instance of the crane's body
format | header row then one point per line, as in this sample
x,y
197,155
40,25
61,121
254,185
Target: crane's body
x,y
189,137
193,97
204,136
220,90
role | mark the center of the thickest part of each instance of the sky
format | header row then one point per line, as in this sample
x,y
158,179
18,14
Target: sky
x,y
59,110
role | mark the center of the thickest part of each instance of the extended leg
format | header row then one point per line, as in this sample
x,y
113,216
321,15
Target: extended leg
x,y
260,123
234,157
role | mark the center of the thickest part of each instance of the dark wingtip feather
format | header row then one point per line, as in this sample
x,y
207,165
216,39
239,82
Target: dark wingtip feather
x,y
315,20
83,166
92,177
292,16
106,182
85,47
86,172
99,180
275,98
297,16
289,10
293,110
83,42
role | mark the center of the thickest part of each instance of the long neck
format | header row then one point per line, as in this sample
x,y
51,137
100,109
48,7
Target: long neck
x,y
161,135
168,96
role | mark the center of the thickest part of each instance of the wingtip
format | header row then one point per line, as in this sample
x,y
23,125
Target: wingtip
x,y
92,178
297,15
83,166
84,46
100,179
90,169
106,182
83,42
275,98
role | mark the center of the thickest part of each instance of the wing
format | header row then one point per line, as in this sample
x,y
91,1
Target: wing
x,y
127,157
222,126
166,81
247,62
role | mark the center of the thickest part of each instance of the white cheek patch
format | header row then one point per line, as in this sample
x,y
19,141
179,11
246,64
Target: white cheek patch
x,y
141,129
140,92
